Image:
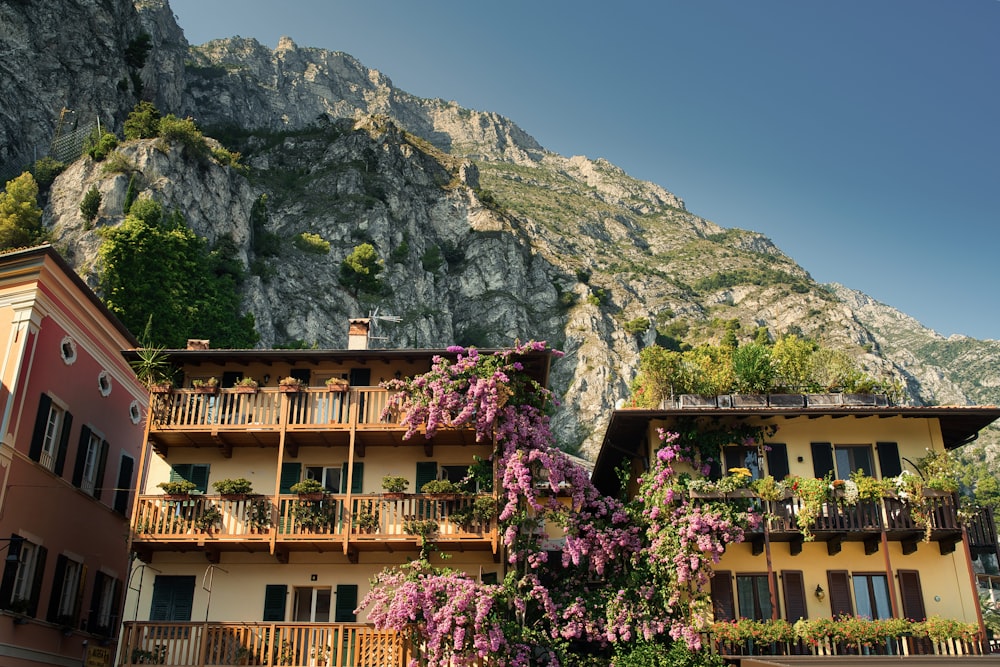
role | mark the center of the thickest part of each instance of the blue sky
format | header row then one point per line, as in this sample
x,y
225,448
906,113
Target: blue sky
x,y
861,136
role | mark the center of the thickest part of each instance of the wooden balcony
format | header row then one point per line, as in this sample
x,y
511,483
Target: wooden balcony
x,y
287,523
209,644
863,522
313,416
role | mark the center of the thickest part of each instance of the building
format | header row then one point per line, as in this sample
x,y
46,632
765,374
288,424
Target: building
x,y
869,559
272,576
72,425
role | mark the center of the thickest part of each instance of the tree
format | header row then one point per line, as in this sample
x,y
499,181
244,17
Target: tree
x,y
791,362
20,216
359,271
143,122
91,204
753,369
157,271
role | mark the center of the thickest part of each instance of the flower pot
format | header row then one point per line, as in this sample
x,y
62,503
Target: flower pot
x,y
337,387
749,400
394,495
698,401
312,496
740,493
245,390
289,388
161,388
786,400
707,494
205,390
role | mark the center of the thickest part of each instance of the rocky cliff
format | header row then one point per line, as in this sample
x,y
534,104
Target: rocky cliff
x,y
485,235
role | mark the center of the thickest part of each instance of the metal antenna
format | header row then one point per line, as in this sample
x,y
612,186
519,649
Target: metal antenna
x,y
375,318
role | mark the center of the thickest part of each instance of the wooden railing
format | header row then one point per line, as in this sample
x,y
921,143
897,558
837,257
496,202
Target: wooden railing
x,y
209,644
866,516
236,409
367,517
895,646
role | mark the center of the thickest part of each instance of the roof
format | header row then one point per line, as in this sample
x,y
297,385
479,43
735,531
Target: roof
x,y
627,428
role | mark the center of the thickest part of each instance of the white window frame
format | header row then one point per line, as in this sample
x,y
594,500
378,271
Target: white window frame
x,y
327,472
67,350
54,424
106,605
25,576
104,383
89,480
70,588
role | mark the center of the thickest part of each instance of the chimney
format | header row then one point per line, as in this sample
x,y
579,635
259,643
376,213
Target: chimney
x,y
197,343
357,333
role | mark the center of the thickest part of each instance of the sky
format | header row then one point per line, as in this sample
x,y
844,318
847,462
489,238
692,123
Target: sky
x,y
861,136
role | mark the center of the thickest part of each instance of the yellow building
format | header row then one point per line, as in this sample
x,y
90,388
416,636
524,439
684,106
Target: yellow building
x,y
272,577
869,559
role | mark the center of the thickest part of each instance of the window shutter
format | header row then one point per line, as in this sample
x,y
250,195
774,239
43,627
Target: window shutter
x,y
777,460
102,462
38,435
95,603
199,476
36,585
63,444
291,473
173,598
912,595
888,459
274,602
793,586
722,596
822,455
347,602
357,478
57,588
840,593
81,456
180,472
427,471
124,484
7,583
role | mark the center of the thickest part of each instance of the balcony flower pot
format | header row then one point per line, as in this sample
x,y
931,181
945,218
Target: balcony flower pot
x,y
309,489
337,384
698,401
233,489
749,400
740,493
180,490
395,487
209,386
290,385
786,400
161,388
246,385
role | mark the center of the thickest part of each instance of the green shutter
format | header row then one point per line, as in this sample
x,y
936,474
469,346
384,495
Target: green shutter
x,y
357,479
196,473
427,471
291,473
274,602
347,602
173,598
180,472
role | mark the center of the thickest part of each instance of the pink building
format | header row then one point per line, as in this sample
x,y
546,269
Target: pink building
x,y
71,420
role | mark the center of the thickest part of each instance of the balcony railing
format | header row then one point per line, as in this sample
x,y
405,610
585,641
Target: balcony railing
x,y
291,518
889,646
209,644
235,408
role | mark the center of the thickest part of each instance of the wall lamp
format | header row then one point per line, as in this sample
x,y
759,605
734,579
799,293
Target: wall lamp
x,y
267,378
820,593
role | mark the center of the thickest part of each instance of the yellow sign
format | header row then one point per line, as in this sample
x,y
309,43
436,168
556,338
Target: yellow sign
x,y
98,656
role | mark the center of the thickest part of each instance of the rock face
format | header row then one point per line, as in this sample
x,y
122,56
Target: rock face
x,y
485,236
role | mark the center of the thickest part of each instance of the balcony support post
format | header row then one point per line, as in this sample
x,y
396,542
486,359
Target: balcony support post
x,y
348,502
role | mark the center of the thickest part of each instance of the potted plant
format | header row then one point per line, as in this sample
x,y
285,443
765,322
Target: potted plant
x,y
737,483
768,488
367,520
180,489
703,488
395,485
153,369
290,384
209,517
311,514
479,512
309,489
442,488
259,514
246,385
337,384
205,386
240,487
422,528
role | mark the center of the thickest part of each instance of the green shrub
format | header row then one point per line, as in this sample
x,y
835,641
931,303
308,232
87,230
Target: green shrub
x,y
91,204
143,122
313,243
637,326
228,158
360,270
45,171
98,146
432,259
117,163
400,253
184,133
130,194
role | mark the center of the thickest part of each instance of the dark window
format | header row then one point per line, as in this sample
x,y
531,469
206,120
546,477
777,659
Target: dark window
x,y
173,598
22,579
822,455
51,435
754,596
357,477
104,604
850,458
311,605
427,471
291,474
196,473
794,588
777,460
67,589
744,457
123,487
888,459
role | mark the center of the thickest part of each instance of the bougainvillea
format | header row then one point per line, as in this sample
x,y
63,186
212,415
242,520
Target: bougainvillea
x,y
625,572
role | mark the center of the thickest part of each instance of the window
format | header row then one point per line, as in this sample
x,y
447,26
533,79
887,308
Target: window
x,y
347,602
753,596
173,598
51,434
103,604
67,586
104,383
744,457
311,604
849,458
328,476
871,596
274,602
22,579
196,473
67,350
53,431
134,412
91,457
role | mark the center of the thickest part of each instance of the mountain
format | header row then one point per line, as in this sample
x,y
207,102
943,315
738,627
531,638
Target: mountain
x,y
486,236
